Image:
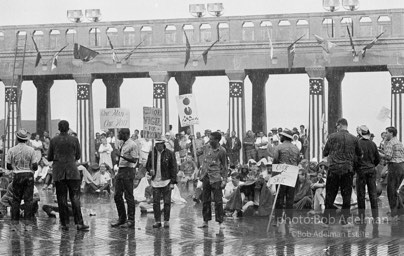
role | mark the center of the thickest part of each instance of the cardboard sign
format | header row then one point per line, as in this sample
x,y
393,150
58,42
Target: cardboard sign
x,y
187,110
284,174
152,122
112,118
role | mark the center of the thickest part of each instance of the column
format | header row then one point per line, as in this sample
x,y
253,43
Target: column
x,y
160,95
85,117
397,90
317,129
43,104
185,82
236,102
12,109
259,107
113,85
334,78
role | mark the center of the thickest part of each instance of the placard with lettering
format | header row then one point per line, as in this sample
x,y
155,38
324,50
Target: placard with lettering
x,y
284,174
112,118
152,122
187,110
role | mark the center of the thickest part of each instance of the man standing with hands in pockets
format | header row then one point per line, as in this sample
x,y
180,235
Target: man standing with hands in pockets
x,y
128,159
164,176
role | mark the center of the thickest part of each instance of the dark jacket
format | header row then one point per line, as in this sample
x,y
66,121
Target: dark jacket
x,y
341,150
168,165
237,145
370,155
64,151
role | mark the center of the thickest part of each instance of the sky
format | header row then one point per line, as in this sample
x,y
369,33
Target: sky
x,y
364,94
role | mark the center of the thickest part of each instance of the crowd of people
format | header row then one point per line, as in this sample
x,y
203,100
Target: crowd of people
x,y
235,173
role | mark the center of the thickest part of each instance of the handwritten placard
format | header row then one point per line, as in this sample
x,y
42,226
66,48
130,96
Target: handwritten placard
x,y
187,111
112,118
284,174
152,122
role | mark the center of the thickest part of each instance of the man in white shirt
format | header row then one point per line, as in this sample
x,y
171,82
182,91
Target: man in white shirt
x,y
261,144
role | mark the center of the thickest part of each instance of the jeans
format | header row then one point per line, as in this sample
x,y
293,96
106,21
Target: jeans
x,y
165,193
285,200
394,178
334,182
207,190
367,178
73,188
124,185
23,187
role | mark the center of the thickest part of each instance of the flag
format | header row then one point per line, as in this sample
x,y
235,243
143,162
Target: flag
x,y
114,57
38,54
324,43
354,53
236,95
160,99
271,48
55,57
205,52
316,117
187,51
127,56
384,114
291,52
83,53
370,45
83,120
397,90
10,113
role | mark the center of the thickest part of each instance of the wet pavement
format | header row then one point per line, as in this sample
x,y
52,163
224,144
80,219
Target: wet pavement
x,y
243,236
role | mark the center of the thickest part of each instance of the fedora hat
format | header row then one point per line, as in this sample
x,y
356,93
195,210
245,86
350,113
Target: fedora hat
x,y
287,133
365,133
22,134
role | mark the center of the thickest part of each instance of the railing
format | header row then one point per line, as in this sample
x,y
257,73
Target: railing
x,y
237,29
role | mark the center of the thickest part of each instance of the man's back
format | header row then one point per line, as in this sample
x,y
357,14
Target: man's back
x,y
286,153
370,155
341,149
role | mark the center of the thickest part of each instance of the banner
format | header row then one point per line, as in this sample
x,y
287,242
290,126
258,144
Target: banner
x,y
187,110
284,174
152,122
112,118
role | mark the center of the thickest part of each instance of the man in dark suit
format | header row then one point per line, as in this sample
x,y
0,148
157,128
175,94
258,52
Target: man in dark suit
x,y
64,151
233,146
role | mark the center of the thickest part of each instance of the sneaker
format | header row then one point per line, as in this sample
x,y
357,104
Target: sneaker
x,y
117,223
157,225
98,191
166,224
83,227
128,224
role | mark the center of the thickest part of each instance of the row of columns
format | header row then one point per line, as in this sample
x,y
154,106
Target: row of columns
x,y
320,123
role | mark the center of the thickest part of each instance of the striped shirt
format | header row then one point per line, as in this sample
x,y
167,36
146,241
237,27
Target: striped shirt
x,y
21,157
394,151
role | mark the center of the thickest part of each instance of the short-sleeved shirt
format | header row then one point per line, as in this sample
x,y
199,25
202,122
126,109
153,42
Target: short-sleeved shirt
x,y
260,140
21,157
394,151
127,148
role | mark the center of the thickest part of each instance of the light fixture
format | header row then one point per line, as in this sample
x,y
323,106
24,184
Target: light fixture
x,y
74,15
197,10
93,15
331,5
350,5
215,9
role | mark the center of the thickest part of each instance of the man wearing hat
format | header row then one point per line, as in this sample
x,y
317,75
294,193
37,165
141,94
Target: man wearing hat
x,y
127,161
164,176
285,153
366,173
64,151
21,161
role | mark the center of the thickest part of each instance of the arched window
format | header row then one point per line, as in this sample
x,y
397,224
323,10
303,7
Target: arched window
x,y
206,32
95,37
224,32
365,27
71,36
146,34
248,31
113,36
302,28
266,30
38,37
284,32
346,22
384,25
170,34
54,39
189,29
129,36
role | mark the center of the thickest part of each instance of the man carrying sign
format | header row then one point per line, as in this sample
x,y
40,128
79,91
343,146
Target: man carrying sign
x,y
128,159
285,153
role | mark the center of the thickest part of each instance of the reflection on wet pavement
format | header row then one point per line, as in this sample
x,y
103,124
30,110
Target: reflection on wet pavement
x,y
244,236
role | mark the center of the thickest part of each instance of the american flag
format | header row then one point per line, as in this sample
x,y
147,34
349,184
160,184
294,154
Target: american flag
x,y
316,117
236,115
10,113
160,101
83,120
397,90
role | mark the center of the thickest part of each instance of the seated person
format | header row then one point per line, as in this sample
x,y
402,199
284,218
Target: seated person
x,y
243,171
187,173
48,184
42,171
7,199
303,195
231,186
318,188
87,181
102,180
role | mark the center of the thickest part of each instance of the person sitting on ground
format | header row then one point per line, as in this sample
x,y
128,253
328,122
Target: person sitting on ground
x,y
303,198
102,180
42,171
187,173
48,184
88,182
318,188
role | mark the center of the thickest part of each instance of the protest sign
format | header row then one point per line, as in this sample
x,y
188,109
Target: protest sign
x,y
152,122
284,174
112,118
187,110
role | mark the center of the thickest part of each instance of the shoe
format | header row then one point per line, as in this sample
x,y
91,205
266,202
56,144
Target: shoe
x,y
129,224
117,223
83,227
166,224
65,228
97,191
157,225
